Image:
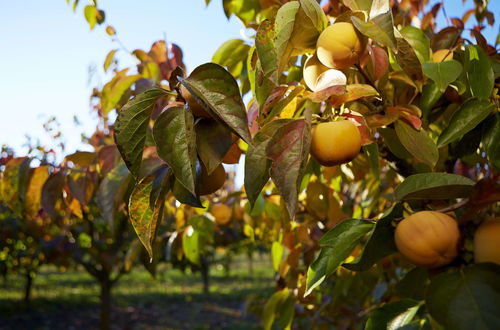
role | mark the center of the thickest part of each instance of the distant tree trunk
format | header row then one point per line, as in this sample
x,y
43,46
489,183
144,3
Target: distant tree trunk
x,y
227,265
27,288
205,274
105,304
250,262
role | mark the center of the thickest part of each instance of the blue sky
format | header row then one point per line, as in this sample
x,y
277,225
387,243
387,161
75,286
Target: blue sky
x,y
47,51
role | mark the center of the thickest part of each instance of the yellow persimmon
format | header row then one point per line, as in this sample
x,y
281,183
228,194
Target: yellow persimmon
x,y
428,238
222,214
335,142
487,241
340,45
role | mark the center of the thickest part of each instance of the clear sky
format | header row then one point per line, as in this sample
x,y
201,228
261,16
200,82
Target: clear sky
x,y
46,52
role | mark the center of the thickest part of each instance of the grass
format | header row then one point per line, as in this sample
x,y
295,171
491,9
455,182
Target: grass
x,y
174,300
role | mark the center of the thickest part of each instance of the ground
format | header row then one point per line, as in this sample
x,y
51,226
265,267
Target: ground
x,y
69,300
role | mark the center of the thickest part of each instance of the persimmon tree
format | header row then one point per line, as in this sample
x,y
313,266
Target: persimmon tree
x,y
424,101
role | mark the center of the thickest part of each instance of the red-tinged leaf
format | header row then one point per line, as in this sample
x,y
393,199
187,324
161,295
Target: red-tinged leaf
x,y
380,61
457,22
353,92
131,126
175,140
378,120
111,192
33,196
418,143
218,92
82,158
273,99
467,15
213,141
145,215
359,121
52,193
447,38
324,94
409,113
107,158
257,164
289,149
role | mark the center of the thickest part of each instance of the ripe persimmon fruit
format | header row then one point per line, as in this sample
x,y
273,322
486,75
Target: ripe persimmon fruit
x,y
428,238
486,241
340,45
336,142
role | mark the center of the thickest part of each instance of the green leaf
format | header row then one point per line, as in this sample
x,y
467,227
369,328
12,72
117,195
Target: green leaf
x,y
467,298
408,60
257,165
491,140
90,13
430,95
213,141
379,28
184,196
418,143
434,186
371,150
264,44
260,85
175,141
233,55
109,59
336,245
393,315
284,26
272,307
114,90
380,243
111,192
145,215
217,90
277,250
358,4
468,116
414,283
391,140
191,245
289,150
297,25
443,73
418,41
131,125
245,10
479,72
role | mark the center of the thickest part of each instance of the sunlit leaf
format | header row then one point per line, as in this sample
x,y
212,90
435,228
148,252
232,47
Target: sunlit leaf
x,y
109,59
145,215
443,73
394,315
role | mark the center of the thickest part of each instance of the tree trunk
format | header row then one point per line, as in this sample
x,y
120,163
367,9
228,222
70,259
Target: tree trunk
x,y
250,263
105,304
204,273
27,288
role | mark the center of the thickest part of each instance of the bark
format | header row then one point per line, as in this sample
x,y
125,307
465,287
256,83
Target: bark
x,y
27,289
205,274
105,304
